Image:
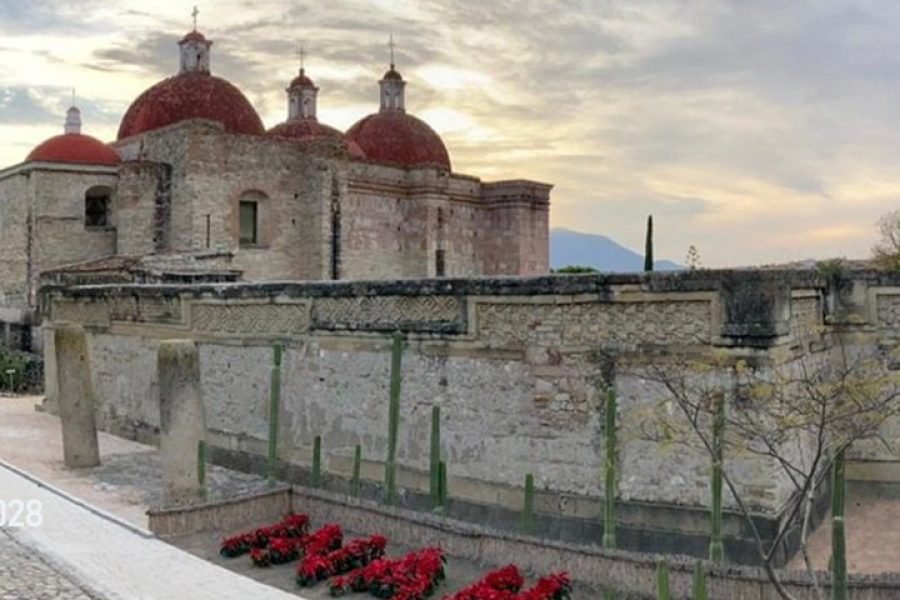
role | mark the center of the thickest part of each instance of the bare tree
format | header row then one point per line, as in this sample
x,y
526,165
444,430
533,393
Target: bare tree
x,y
796,412
887,251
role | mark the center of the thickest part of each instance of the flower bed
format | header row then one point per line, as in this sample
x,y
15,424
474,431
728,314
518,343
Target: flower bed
x,y
357,553
360,566
413,577
292,526
283,550
505,583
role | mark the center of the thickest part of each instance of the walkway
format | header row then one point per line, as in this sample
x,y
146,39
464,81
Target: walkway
x,y
83,551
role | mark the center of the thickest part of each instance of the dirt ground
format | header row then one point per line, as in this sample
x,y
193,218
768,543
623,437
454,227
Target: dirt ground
x,y
128,482
872,517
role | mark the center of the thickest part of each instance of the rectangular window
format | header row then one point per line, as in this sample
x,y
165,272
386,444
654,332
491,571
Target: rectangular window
x,y
96,211
248,233
440,263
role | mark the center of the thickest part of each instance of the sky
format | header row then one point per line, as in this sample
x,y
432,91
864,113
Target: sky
x,y
759,131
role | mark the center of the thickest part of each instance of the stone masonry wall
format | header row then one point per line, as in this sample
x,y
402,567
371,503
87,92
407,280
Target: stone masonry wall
x,y
42,226
513,364
15,203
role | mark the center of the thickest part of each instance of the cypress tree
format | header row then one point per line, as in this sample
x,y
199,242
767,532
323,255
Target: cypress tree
x,y
648,247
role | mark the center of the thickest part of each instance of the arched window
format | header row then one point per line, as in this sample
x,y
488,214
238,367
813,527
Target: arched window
x,y
97,204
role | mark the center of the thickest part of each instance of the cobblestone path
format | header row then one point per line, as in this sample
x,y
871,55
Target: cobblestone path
x,y
24,575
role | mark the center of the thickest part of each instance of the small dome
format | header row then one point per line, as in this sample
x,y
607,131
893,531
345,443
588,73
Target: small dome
x,y
193,36
74,148
301,80
191,95
400,139
304,130
392,73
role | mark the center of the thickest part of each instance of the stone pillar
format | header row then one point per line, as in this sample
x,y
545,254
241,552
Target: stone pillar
x,y
182,423
75,397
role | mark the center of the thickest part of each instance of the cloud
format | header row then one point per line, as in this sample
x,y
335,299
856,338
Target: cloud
x,y
759,131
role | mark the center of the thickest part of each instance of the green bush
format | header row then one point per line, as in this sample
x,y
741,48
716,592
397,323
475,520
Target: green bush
x,y
20,372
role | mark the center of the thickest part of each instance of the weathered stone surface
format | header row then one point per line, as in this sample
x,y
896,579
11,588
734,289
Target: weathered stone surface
x,y
182,422
513,362
76,397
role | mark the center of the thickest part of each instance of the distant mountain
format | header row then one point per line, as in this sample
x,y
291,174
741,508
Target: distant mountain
x,y
598,251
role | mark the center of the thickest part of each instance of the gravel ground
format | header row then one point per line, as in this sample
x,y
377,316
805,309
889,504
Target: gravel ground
x,y
26,575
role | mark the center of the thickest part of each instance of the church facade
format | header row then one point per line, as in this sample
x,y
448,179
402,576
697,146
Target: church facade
x,y
194,175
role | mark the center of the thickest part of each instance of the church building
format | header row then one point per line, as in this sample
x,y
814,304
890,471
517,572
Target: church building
x,y
195,188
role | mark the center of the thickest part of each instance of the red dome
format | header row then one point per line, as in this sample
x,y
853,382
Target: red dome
x,y
193,36
191,95
300,129
303,130
400,139
302,80
75,148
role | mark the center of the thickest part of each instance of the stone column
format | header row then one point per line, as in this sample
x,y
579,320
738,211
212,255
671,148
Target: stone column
x,y
75,397
182,423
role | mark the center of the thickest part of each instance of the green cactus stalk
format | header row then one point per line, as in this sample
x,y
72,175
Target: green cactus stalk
x,y
699,591
357,463
716,546
662,581
442,488
528,508
390,467
317,462
274,402
609,505
201,467
838,541
648,246
435,456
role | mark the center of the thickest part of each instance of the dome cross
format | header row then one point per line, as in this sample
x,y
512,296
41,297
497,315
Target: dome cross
x,y
194,14
391,45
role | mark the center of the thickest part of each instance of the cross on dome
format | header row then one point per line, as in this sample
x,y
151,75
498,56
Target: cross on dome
x,y
195,49
392,86
391,46
301,53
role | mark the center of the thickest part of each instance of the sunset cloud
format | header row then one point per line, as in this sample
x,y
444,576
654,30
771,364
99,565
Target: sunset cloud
x,y
758,131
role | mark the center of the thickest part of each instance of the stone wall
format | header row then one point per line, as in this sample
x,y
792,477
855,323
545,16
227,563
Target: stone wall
x,y
15,211
390,222
514,364
42,211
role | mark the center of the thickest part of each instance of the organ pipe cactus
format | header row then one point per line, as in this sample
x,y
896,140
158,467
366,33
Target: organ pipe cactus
x,y
662,581
699,591
435,456
528,509
357,463
201,467
390,468
716,547
609,506
317,462
442,488
274,402
838,541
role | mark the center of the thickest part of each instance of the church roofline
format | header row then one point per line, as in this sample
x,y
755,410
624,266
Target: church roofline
x,y
26,167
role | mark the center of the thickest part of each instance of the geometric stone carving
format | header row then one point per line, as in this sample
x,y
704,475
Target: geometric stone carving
x,y
626,324
250,318
438,314
806,317
91,313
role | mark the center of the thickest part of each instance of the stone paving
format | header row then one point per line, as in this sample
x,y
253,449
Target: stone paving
x,y
26,575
